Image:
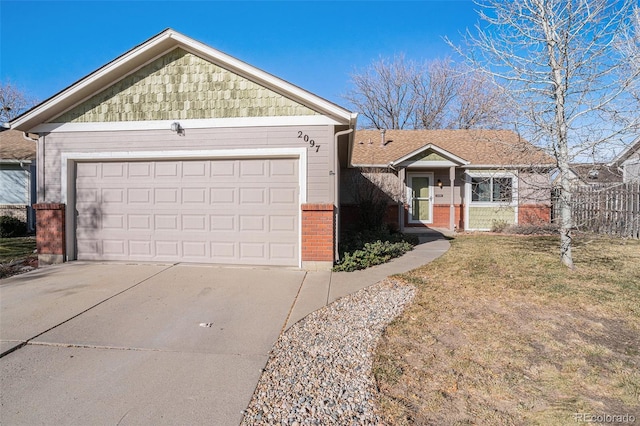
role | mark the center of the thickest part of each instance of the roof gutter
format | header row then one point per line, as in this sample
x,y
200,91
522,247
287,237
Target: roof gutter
x,y
26,137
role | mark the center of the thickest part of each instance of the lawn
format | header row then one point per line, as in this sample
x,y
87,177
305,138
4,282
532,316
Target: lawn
x,y
16,249
501,333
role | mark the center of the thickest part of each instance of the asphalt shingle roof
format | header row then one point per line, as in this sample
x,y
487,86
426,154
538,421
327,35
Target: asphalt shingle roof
x,y
14,147
478,147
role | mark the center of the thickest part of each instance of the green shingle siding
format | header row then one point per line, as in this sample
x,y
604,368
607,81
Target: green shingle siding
x,y
484,217
427,155
181,85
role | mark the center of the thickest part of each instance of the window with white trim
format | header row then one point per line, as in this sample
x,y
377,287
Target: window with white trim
x,y
492,189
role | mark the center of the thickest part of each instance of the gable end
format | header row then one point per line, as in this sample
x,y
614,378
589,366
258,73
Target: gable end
x,y
181,85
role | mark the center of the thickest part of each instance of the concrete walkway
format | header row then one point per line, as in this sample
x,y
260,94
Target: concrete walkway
x,y
321,288
109,343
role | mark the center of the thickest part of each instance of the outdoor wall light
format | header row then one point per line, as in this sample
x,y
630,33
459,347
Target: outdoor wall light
x,y
175,127
439,184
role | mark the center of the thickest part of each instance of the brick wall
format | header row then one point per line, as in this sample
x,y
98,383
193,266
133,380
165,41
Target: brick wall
x,y
19,211
350,216
534,214
318,232
50,232
441,214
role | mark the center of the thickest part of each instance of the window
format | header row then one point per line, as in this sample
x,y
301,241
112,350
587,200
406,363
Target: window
x,y
492,189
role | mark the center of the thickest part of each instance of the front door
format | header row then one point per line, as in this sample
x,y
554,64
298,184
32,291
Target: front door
x,y
420,197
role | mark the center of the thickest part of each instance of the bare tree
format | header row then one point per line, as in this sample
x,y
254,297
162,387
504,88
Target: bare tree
x,y
13,102
403,94
569,83
383,93
435,87
373,190
479,103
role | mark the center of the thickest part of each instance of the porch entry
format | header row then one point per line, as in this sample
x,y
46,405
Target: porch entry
x,y
420,196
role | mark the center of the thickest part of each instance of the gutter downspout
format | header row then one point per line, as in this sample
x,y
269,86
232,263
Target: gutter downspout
x,y
336,188
26,137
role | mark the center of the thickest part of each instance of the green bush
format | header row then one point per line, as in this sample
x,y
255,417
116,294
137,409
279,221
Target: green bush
x,y
12,227
360,250
372,254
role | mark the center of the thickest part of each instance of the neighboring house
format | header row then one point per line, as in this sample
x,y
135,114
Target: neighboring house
x,y
595,174
628,161
17,176
176,152
455,179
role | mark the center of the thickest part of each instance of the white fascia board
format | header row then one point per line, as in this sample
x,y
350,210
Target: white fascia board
x,y
371,165
429,164
625,152
302,120
442,152
508,166
14,161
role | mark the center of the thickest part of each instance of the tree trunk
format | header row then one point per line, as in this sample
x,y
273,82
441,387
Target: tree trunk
x,y
558,56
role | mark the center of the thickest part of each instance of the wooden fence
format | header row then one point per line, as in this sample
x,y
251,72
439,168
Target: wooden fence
x,y
605,209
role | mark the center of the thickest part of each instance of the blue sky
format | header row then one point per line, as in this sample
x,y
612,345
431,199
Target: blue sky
x,y
47,45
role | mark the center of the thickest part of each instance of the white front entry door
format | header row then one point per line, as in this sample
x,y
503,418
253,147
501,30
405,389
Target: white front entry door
x,y
420,196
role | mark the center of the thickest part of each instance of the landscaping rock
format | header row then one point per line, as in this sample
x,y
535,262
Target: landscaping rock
x,y
319,371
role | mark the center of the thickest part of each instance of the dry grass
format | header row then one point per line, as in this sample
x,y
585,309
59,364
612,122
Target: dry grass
x,y
500,333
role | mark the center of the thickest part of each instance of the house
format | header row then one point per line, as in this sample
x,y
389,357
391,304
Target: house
x,y
595,174
17,176
628,161
454,179
177,152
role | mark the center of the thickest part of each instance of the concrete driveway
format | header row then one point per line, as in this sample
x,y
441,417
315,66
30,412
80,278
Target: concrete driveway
x,y
138,344
92,343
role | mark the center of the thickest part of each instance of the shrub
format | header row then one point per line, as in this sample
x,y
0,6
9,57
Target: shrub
x,y
363,249
532,229
372,254
12,227
499,225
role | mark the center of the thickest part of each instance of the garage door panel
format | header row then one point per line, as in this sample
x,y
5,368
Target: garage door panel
x,y
140,170
252,196
165,169
113,222
227,251
216,211
283,224
165,195
223,196
140,248
282,251
225,223
194,196
139,196
139,222
194,223
166,222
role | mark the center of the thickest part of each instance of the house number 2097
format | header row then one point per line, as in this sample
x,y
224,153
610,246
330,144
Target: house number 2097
x,y
307,139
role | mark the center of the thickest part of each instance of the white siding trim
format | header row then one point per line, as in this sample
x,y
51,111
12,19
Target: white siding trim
x,y
468,174
304,120
68,158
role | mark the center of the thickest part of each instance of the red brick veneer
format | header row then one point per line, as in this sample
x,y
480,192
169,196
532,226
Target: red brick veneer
x,y
50,229
318,232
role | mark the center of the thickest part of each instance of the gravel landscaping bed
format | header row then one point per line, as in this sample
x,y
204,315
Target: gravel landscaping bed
x,y
319,371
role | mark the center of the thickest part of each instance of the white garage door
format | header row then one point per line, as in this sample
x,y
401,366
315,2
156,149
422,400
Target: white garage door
x,y
234,211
